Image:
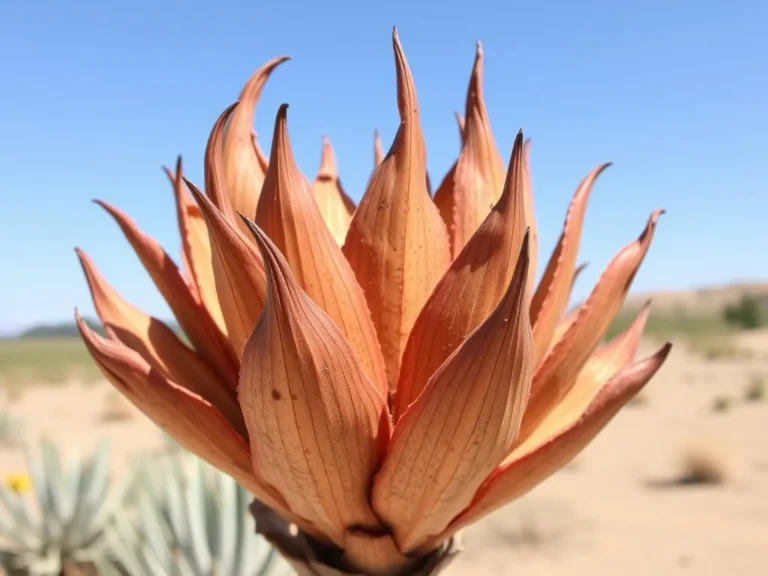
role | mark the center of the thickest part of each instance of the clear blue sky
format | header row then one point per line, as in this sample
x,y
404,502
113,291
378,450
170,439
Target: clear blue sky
x,y
97,95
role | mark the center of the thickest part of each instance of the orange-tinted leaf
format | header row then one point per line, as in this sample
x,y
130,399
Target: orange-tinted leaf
x,y
474,184
192,315
238,269
243,171
576,274
604,364
159,346
240,275
195,246
551,297
335,206
378,151
460,123
557,373
191,420
530,217
469,291
462,426
260,156
289,215
397,244
318,427
519,475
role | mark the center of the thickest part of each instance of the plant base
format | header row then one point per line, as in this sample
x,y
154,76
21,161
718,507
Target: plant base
x,y
312,558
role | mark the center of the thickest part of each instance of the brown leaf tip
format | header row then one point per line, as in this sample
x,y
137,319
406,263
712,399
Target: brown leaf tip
x,y
476,80
406,91
652,221
281,144
253,87
514,170
278,271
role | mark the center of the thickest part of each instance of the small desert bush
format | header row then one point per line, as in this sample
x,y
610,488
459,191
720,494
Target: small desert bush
x,y
702,465
721,403
757,389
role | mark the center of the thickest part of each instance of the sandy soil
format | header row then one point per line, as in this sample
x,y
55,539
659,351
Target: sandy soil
x,y
617,509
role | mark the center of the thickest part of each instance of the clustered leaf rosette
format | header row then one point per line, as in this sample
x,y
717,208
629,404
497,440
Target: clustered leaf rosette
x,y
378,376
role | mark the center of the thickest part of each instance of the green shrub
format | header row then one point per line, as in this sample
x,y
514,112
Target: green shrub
x,y
748,313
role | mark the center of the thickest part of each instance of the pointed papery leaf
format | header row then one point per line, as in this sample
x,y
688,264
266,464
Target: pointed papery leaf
x,y
551,297
378,150
520,474
557,373
475,182
397,244
196,246
604,364
570,317
460,123
289,215
576,274
240,276
318,427
530,216
563,326
242,169
238,270
192,315
462,426
335,206
469,290
159,346
187,417
260,156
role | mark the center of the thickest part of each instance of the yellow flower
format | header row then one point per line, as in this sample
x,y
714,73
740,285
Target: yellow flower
x,y
385,393
18,482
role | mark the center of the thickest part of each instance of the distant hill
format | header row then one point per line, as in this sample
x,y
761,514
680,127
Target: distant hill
x,y
706,300
60,330
69,330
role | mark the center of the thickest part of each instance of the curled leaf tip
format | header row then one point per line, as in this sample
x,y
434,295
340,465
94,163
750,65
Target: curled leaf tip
x,y
243,165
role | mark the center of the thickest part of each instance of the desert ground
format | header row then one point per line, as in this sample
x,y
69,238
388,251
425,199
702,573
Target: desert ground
x,y
676,484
